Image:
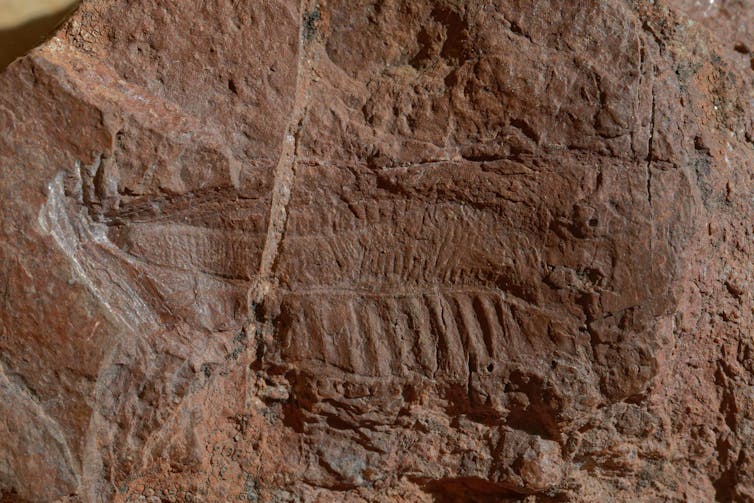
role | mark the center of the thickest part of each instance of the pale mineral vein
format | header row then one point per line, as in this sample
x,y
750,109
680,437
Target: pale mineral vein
x,y
284,174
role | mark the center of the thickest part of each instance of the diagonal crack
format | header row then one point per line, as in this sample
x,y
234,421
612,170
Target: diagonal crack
x,y
285,171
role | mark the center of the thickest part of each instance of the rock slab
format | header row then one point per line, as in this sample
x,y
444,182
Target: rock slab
x,y
379,251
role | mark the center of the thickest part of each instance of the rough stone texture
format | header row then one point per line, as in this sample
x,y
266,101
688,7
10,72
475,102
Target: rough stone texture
x,y
379,251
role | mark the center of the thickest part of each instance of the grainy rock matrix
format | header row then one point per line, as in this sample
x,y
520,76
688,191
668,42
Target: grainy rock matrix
x,y
379,251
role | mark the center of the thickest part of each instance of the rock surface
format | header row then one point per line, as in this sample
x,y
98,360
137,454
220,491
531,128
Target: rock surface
x,y
379,251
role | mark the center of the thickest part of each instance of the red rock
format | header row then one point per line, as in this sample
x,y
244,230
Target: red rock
x,y
403,251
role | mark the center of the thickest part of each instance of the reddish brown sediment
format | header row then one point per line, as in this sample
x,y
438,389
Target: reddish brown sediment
x,y
379,251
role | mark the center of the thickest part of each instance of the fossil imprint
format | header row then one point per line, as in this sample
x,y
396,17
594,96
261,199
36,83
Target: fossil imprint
x,y
440,268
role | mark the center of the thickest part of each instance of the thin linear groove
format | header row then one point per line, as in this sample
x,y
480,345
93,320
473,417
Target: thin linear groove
x,y
472,331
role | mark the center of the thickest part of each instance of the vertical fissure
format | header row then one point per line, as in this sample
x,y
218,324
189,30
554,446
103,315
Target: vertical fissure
x,y
650,149
285,172
650,154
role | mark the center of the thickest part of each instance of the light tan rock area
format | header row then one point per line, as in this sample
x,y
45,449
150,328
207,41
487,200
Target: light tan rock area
x,y
17,12
24,24
379,251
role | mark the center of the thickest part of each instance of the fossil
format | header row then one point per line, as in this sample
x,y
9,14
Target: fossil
x,y
449,251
